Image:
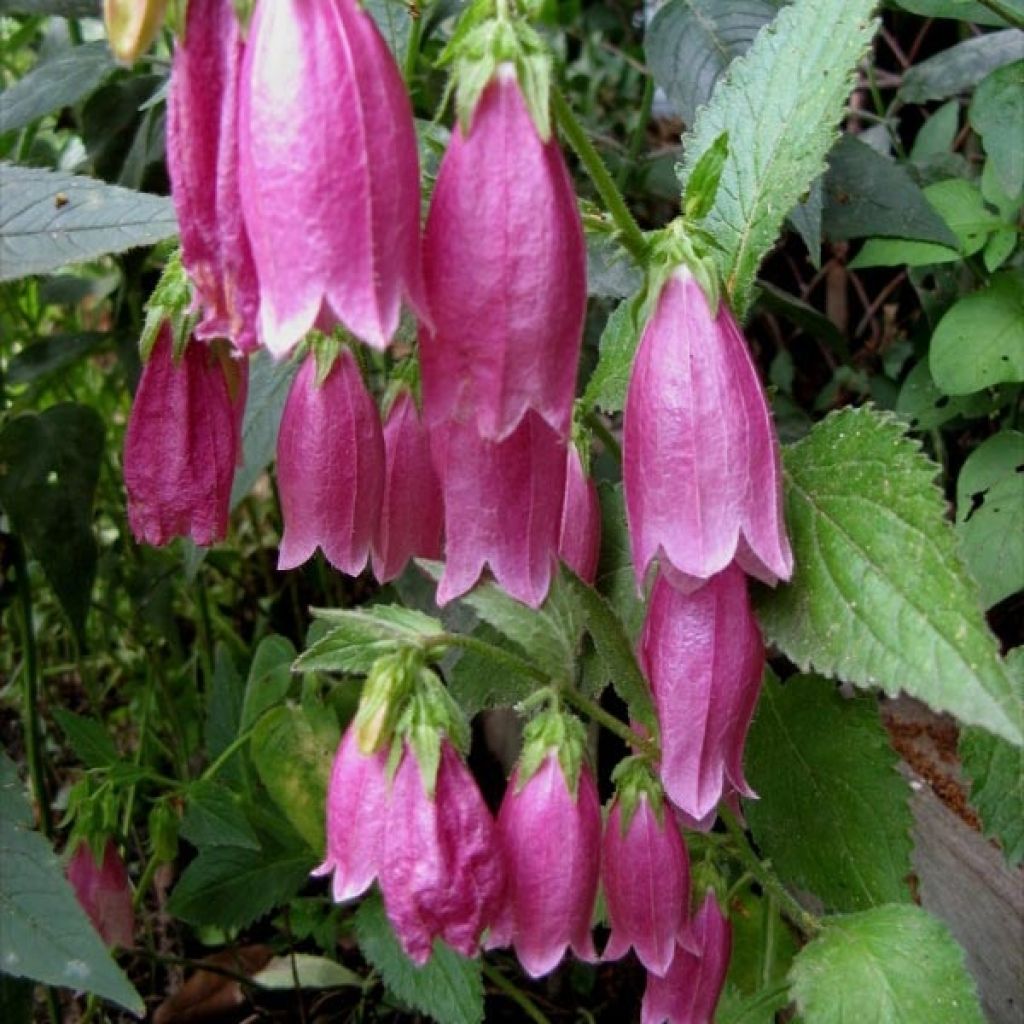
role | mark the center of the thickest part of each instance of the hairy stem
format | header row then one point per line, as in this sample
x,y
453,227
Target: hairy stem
x,y
596,713
517,995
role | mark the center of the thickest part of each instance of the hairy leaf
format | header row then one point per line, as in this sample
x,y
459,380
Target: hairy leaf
x,y
997,115
607,386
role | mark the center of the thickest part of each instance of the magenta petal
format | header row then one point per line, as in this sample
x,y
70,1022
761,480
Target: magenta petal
x,y
579,540
202,162
505,270
704,657
646,876
356,808
104,893
551,840
700,458
442,874
412,513
503,505
329,173
181,446
330,467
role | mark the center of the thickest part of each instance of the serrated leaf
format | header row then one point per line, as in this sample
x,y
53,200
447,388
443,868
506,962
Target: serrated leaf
x,y
690,43
833,815
609,382
88,738
879,596
980,341
448,987
997,115
889,965
478,681
996,771
961,66
55,83
214,817
46,935
50,219
615,577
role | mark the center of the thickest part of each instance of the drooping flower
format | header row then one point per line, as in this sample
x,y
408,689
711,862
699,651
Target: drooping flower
x,y
505,267
441,873
502,507
689,991
202,162
700,458
704,657
412,512
330,467
104,893
579,541
645,872
329,173
182,443
356,811
132,25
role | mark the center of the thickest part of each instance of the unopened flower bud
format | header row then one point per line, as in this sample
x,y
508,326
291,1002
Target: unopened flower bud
x,y
132,26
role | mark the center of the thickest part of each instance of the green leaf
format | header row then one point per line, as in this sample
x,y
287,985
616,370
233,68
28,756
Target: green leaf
x,y
802,315
214,817
763,946
879,596
224,704
55,83
448,987
961,66
270,677
62,8
51,219
889,965
690,43
52,354
996,771
963,209
964,10
990,515
479,681
980,341
49,466
833,815
607,386
868,194
307,971
997,115
762,1008
780,104
88,738
46,935
615,577
611,272
925,407
937,135
702,186
898,252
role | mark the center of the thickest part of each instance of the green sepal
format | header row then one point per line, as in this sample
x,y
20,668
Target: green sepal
x,y
163,826
171,301
386,692
634,781
175,18
702,185
243,12
558,731
680,245
325,348
92,810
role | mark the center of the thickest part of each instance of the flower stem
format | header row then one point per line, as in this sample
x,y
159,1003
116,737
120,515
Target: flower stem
x,y
517,995
629,231
594,711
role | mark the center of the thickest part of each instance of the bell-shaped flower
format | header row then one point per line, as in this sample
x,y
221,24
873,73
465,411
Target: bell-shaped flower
x,y
104,893
700,457
689,991
505,267
579,539
356,809
330,466
132,25
441,873
704,657
182,443
502,507
412,513
202,162
645,872
329,173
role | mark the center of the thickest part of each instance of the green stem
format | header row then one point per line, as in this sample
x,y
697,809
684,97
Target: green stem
x,y
769,881
631,235
472,643
225,755
1007,13
595,712
601,431
412,49
206,655
517,995
637,138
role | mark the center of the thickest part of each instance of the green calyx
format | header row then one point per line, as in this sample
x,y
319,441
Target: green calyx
x,y
558,731
171,302
386,692
681,244
634,781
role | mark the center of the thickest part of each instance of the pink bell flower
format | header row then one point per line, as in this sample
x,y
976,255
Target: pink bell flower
x,y
330,467
329,173
579,540
356,808
441,874
551,840
502,507
182,444
645,872
505,267
104,893
700,458
202,162
412,512
689,991
704,657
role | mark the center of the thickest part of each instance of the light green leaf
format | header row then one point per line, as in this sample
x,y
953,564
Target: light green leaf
x,y
306,970
780,104
961,66
925,407
996,771
937,135
609,382
89,739
879,596
448,987
889,965
990,515
49,219
999,248
964,10
961,206
997,115
898,252
833,814
980,341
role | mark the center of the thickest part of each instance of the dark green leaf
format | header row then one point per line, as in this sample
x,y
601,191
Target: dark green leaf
x,y
925,407
997,115
937,134
964,10
52,354
805,218
478,681
611,272
961,66
214,817
270,677
223,707
607,386
88,738
62,8
802,315
763,946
